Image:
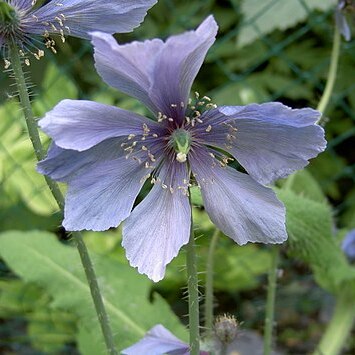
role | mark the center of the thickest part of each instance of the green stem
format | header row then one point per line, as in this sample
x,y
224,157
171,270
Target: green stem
x,y
192,286
331,74
209,284
339,328
40,154
270,302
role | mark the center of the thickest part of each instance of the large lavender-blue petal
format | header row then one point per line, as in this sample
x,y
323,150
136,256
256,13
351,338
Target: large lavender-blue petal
x,y
177,66
78,18
240,207
127,67
80,124
269,140
158,74
102,184
160,225
158,341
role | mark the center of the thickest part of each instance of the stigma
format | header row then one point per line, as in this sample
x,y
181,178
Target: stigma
x,y
181,157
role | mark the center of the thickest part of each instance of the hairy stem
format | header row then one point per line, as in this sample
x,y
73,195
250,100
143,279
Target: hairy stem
x,y
53,186
209,284
192,286
331,74
270,301
339,328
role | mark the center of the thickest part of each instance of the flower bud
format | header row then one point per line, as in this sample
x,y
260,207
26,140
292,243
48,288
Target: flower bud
x,y
226,329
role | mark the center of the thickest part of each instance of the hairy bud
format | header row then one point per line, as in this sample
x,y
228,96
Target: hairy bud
x,y
226,329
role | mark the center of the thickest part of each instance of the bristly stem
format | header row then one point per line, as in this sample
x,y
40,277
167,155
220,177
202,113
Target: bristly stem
x,y
339,328
331,74
53,186
192,286
270,302
209,284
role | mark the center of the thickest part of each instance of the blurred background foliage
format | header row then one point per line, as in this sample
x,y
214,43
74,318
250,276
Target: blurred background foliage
x,y
273,50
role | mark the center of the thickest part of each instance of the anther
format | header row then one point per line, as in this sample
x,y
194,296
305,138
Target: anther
x,y
7,63
144,178
146,130
209,128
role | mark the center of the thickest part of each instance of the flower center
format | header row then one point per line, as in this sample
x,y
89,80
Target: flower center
x,y
181,142
8,18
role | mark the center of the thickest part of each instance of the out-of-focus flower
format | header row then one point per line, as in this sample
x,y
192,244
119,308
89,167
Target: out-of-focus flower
x,y
348,245
21,20
105,154
343,8
159,341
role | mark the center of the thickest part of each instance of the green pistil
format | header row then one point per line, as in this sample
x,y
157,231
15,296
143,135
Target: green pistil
x,y
8,15
181,141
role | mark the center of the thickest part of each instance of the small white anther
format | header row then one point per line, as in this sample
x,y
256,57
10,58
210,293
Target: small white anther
x,y
7,64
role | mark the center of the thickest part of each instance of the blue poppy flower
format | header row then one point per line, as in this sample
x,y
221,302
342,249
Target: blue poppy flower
x,y
105,154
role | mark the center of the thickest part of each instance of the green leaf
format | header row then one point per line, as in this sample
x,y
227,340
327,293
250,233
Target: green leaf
x,y
263,17
55,87
304,184
309,226
48,330
38,257
19,179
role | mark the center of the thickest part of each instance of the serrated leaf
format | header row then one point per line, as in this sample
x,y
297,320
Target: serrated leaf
x,y
263,17
38,257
